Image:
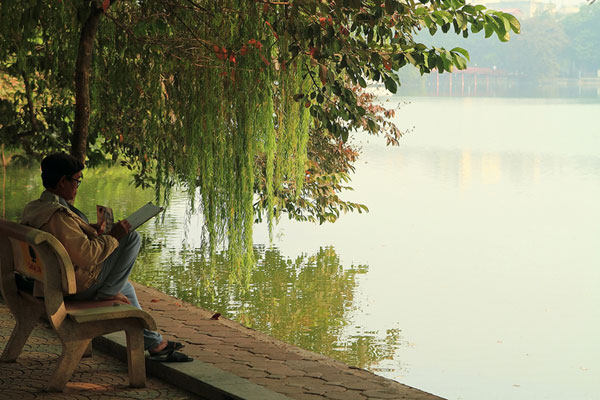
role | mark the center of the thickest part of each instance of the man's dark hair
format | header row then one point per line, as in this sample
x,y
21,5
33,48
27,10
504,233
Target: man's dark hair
x,y
57,165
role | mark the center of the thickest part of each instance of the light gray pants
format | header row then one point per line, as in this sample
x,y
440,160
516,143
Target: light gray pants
x,y
113,279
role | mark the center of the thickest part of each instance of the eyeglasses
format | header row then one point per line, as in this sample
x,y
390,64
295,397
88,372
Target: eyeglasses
x,y
77,181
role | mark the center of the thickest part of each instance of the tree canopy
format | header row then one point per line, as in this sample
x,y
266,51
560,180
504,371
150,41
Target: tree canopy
x,y
224,96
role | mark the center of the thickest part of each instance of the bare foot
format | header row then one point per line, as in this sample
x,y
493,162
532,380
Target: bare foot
x,y
161,346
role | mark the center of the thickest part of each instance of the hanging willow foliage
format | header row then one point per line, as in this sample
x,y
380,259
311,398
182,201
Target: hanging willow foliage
x,y
211,116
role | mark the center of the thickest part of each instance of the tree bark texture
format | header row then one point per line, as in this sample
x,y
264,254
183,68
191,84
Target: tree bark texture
x,y
82,84
35,126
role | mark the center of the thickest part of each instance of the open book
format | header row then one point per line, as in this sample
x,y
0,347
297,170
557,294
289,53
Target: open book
x,y
139,217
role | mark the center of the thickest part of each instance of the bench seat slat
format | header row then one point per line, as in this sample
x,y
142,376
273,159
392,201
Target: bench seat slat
x,y
105,313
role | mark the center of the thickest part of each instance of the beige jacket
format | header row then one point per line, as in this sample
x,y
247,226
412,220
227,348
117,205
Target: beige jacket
x,y
85,247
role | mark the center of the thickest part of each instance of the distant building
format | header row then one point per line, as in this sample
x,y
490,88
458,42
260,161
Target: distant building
x,y
524,9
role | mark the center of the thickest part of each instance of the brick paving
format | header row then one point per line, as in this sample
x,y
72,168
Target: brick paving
x,y
98,377
265,361
221,343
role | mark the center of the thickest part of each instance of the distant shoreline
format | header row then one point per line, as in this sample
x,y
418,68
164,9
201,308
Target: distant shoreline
x,y
499,86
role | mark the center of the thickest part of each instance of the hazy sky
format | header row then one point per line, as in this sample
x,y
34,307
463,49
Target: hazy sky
x,y
559,3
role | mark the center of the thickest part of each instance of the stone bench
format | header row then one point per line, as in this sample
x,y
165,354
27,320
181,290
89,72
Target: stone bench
x,y
40,256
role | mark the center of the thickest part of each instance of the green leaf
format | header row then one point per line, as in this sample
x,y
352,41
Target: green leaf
x,y
514,23
503,25
390,84
459,61
420,11
429,22
489,29
426,57
460,21
345,135
375,58
441,17
462,51
439,64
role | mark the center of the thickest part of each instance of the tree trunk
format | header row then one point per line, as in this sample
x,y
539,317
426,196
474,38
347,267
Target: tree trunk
x,y
82,83
3,182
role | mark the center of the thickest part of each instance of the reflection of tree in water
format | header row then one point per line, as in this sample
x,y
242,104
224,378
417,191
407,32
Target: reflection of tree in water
x,y
306,301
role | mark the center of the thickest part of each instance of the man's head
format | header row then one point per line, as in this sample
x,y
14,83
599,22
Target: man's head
x,y
61,174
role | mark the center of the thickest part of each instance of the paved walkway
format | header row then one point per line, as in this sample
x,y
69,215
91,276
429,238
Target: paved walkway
x,y
98,377
228,355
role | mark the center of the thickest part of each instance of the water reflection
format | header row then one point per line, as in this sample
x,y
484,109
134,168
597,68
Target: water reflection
x,y
464,169
307,301
20,185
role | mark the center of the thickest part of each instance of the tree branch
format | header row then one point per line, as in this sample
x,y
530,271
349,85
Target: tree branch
x,y
35,124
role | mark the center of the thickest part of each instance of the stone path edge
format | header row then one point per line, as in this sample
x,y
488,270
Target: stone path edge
x,y
196,377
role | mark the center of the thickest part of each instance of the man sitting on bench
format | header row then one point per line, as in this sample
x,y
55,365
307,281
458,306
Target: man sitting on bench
x,y
102,263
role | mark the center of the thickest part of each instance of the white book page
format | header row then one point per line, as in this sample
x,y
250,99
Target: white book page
x,y
143,214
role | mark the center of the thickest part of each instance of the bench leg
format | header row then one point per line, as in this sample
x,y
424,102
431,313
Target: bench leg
x,y
136,362
89,351
68,361
19,336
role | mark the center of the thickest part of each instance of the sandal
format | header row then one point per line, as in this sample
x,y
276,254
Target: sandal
x,y
171,356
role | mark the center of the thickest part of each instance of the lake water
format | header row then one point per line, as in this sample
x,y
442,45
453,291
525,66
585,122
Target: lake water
x,y
474,276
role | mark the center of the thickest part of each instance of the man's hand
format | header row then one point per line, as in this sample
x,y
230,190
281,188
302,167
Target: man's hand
x,y
120,229
99,227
